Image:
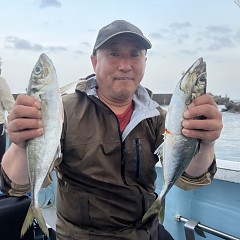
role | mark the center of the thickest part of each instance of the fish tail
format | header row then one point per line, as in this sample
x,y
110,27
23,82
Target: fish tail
x,y
152,211
28,221
41,221
34,212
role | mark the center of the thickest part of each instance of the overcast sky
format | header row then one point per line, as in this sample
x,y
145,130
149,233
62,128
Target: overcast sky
x,y
180,32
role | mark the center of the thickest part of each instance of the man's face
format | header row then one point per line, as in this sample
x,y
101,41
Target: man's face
x,y
119,66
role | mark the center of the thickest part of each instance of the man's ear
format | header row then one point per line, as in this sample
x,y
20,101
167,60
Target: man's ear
x,y
94,61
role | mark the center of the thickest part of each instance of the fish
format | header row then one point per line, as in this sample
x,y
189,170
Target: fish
x,y
177,151
43,150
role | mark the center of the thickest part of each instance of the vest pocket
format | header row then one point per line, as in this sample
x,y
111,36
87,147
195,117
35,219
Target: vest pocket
x,y
73,205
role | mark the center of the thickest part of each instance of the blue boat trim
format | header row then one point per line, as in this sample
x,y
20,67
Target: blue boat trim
x,y
227,170
216,205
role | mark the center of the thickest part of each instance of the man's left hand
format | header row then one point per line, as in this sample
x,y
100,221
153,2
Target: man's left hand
x,y
203,120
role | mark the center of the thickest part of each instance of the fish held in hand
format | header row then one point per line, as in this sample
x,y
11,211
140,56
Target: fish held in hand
x,y
177,151
43,150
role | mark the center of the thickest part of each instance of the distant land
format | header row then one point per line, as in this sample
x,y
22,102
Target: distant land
x,y
164,99
230,105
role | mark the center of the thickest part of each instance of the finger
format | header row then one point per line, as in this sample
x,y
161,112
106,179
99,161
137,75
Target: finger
x,y
22,129
204,99
22,111
21,136
208,129
201,134
206,110
205,124
20,124
27,100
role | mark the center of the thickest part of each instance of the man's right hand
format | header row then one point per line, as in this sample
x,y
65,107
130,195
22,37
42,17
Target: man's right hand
x,y
24,120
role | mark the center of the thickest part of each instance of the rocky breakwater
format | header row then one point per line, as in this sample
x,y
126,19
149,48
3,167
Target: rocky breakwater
x,y
230,106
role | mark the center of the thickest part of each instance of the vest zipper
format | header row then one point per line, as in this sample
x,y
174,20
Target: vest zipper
x,y
138,157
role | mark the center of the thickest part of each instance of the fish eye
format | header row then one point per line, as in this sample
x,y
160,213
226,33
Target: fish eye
x,y
202,78
37,70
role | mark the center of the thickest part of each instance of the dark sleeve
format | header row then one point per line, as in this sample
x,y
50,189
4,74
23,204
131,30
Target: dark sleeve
x,y
10,188
188,182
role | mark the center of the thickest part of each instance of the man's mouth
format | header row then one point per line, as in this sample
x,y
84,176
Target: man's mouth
x,y
123,78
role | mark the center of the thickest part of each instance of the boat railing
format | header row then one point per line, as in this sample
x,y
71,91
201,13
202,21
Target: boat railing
x,y
192,226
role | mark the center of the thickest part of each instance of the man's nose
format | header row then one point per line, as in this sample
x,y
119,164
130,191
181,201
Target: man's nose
x,y
125,64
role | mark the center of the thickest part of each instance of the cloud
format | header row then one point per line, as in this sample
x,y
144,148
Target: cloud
x,y
176,32
220,36
237,36
179,26
218,30
188,52
182,37
207,38
79,52
221,42
22,44
86,44
156,35
50,3
56,49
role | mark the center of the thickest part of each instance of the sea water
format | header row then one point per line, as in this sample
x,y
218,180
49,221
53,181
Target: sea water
x,y
227,146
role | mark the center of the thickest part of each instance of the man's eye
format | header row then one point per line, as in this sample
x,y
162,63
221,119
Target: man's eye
x,y
135,55
114,54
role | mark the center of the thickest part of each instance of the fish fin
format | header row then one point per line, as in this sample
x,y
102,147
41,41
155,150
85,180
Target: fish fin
x,y
66,87
28,221
59,152
197,149
159,151
80,84
162,212
152,211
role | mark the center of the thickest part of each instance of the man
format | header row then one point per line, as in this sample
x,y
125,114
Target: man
x,y
6,103
106,178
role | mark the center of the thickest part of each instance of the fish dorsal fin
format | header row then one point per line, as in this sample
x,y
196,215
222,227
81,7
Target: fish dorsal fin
x,y
64,88
80,84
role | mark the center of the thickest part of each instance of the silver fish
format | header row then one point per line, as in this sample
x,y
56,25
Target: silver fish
x,y
43,150
177,150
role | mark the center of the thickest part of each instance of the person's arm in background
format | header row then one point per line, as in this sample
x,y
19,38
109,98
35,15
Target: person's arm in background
x,y
6,96
6,100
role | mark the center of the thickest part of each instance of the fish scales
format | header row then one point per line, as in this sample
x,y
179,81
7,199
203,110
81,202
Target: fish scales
x,y
177,150
43,150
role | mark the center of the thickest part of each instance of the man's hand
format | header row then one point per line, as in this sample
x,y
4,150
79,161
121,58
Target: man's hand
x,y
209,126
203,120
24,120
